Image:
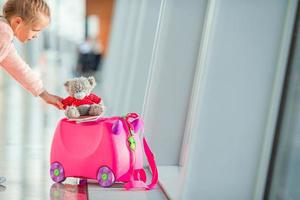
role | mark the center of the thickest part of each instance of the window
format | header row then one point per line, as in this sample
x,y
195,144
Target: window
x,y
284,172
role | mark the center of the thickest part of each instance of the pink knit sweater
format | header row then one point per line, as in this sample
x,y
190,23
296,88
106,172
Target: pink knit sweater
x,y
13,64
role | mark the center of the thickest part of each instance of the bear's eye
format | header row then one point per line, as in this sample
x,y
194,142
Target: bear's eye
x,y
79,88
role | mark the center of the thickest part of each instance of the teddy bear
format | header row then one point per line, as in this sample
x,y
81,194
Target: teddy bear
x,y
81,101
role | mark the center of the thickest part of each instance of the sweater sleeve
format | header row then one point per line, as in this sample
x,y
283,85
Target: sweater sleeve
x,y
94,98
14,65
67,101
5,41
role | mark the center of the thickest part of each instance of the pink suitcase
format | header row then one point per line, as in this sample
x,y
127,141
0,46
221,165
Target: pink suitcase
x,y
108,150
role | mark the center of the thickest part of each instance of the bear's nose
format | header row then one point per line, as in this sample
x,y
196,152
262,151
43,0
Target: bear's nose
x,y
79,95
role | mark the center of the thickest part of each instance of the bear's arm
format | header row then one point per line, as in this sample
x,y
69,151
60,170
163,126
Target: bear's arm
x,y
94,98
67,101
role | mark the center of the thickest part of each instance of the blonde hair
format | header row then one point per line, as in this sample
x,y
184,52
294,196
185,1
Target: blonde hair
x,y
28,10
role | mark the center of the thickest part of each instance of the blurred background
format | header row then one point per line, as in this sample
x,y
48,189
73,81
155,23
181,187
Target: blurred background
x,y
217,83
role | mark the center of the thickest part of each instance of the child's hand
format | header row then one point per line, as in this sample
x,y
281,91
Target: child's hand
x,y
52,99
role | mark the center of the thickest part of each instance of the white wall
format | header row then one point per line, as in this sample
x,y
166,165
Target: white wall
x,y
130,51
168,63
205,74
243,71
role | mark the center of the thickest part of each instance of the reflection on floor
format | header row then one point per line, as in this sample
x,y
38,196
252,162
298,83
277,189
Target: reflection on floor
x,y
117,192
26,129
68,191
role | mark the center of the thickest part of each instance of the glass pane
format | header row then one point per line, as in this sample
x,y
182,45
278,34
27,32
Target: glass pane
x,y
285,179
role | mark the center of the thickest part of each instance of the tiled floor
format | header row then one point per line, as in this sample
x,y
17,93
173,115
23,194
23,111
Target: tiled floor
x,y
26,128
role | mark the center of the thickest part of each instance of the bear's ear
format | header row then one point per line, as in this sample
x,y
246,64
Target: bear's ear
x,y
92,81
67,85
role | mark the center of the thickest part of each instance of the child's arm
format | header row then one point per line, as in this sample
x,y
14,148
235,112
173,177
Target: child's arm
x,y
52,99
21,72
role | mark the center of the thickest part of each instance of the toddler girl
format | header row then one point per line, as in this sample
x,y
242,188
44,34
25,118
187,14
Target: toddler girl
x,y
24,19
